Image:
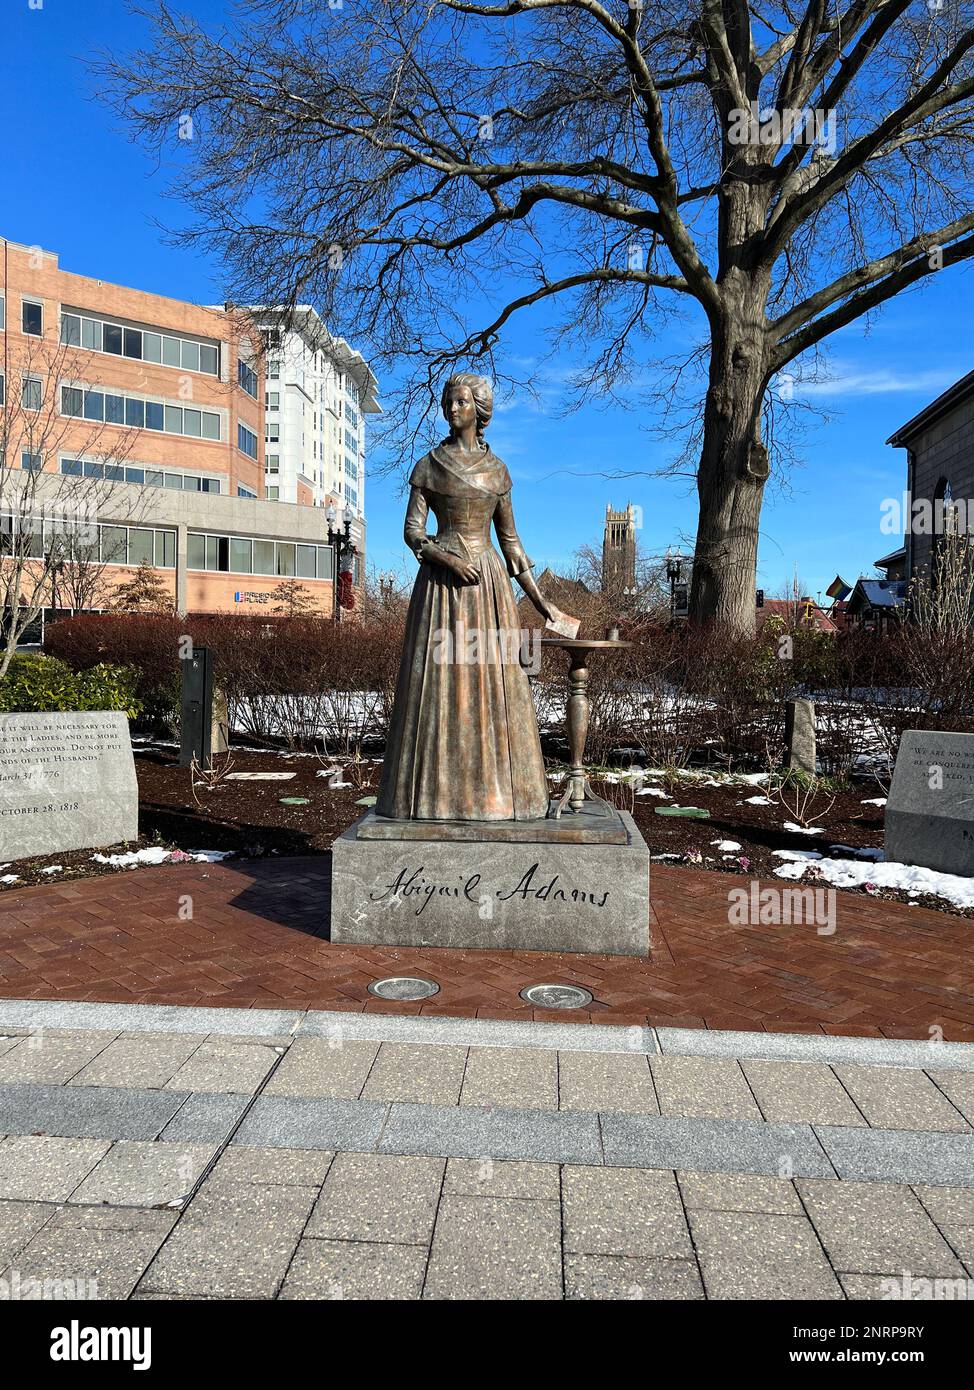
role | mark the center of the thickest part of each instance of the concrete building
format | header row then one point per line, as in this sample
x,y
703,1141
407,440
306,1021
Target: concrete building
x,y
318,393
152,410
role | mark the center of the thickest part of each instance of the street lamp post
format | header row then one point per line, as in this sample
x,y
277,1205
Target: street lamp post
x,y
674,568
343,552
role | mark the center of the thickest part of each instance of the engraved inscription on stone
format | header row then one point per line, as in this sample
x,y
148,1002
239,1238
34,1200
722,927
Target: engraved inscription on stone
x,y
930,810
67,781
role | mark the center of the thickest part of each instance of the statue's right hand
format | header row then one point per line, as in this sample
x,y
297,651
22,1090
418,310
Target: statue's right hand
x,y
466,571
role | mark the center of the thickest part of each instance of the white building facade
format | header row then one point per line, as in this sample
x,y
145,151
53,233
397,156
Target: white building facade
x,y
318,394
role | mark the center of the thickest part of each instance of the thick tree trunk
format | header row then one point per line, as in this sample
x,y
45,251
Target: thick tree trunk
x,y
730,483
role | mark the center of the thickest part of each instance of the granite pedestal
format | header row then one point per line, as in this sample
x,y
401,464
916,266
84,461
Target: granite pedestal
x,y
544,890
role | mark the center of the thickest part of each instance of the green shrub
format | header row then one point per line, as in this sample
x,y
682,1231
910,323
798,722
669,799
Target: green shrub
x,y
39,684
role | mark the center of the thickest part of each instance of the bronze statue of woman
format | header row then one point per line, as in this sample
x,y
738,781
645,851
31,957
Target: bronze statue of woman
x,y
463,740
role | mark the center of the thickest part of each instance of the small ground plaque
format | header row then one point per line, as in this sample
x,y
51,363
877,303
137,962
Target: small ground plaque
x,y
67,781
930,811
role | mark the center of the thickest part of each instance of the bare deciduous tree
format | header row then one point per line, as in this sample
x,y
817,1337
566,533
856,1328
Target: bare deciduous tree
x,y
49,540
423,172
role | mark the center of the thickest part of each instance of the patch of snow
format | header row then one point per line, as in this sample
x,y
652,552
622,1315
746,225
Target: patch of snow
x,y
332,772
903,878
874,801
796,855
666,856
53,869
260,776
758,801
157,854
10,878
803,829
655,791
726,846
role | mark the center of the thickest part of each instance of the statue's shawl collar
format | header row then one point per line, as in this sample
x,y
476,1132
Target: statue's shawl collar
x,y
452,474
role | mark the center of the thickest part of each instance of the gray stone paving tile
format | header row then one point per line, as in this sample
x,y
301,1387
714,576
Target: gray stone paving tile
x,y
38,1168
716,1146
299,1122
495,1248
479,1032
473,1177
317,1067
899,1155
7,1042
140,1174
515,1078
205,1118
760,1255
947,1204
606,1081
224,1067
87,1111
270,1167
92,1260
623,1211
703,1086
50,1058
145,1018
116,1219
378,1197
341,1269
801,1093
912,1288
958,1087
19,1221
739,1192
417,1073
232,1245
611,1277
144,1060
900,1098
870,1227
469,1132
814,1047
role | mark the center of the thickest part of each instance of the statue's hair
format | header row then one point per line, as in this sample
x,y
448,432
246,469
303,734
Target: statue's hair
x,y
482,392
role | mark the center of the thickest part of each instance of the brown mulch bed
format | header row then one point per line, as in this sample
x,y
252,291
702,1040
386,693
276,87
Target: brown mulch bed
x,y
250,819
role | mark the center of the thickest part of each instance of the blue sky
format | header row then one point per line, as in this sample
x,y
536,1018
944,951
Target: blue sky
x,y
74,184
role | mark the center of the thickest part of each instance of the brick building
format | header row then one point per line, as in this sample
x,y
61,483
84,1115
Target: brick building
x,y
154,410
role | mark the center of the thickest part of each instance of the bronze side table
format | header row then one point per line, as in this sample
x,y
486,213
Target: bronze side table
x,y
579,789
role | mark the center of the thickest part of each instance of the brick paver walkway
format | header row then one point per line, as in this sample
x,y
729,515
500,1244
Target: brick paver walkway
x,y
254,933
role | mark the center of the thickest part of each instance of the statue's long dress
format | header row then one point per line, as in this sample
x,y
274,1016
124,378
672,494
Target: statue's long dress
x,y
463,741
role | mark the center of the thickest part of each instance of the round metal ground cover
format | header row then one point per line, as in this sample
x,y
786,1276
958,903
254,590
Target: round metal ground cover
x,y
557,996
404,987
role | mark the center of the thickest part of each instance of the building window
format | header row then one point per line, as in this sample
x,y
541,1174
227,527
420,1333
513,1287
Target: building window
x,y
32,317
245,491
254,555
272,400
97,335
247,378
246,441
143,477
272,493
3,312
272,463
272,434
31,463
32,396
273,370
139,413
